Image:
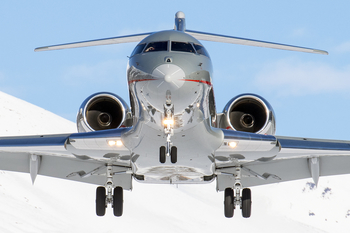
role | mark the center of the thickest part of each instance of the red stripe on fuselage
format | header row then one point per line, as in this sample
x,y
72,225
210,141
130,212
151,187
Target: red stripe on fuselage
x,y
198,81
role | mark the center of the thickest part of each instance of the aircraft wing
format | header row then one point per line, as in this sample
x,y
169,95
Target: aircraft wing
x,y
296,158
105,41
65,156
275,158
244,41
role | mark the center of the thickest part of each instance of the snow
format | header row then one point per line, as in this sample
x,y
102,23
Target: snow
x,y
54,205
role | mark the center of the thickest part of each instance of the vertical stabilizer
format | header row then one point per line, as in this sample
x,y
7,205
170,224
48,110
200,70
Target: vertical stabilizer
x,y
180,22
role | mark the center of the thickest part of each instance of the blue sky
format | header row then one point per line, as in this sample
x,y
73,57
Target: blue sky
x,y
309,93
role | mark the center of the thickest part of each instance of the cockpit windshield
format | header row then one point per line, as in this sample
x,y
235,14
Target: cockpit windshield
x,y
138,49
175,47
201,50
182,47
156,46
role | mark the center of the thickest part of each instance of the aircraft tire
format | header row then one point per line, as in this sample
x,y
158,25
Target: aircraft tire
x,y
162,154
228,203
173,154
246,203
101,201
118,201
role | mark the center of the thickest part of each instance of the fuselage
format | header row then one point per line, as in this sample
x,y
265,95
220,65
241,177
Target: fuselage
x,y
170,77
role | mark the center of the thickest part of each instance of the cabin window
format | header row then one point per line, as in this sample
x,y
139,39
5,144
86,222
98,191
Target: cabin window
x,y
182,47
138,49
201,50
156,46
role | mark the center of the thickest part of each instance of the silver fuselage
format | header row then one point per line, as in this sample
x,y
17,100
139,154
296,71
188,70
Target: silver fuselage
x,y
184,80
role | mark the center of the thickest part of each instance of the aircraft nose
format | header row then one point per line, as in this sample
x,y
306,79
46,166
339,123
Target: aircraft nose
x,y
169,74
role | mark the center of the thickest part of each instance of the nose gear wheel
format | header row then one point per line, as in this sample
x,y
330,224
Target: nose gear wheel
x,y
163,154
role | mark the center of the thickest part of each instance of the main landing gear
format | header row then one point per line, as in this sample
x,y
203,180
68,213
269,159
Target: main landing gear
x,y
244,201
231,201
103,199
104,196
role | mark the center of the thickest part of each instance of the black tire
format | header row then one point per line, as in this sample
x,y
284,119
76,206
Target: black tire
x,y
162,154
118,201
173,154
228,203
246,203
101,201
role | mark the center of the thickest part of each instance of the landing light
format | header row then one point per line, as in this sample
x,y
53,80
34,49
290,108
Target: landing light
x,y
232,144
115,142
168,122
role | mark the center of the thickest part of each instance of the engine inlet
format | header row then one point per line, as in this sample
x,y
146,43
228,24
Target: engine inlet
x,y
247,120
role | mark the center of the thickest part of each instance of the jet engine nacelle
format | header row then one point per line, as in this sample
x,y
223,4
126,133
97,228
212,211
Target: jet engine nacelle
x,y
102,111
249,113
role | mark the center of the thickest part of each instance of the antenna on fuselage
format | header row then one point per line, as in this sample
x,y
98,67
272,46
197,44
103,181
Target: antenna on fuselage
x,y
180,22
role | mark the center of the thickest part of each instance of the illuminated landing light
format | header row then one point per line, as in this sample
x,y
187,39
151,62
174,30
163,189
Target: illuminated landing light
x,y
115,142
168,122
232,144
111,143
119,143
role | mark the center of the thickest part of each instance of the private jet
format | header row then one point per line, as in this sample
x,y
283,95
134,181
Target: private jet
x,y
171,133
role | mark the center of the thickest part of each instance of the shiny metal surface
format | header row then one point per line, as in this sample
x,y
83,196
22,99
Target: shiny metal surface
x,y
175,78
103,111
249,113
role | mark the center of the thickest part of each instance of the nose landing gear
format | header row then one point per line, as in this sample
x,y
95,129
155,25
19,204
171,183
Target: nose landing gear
x,y
168,123
163,154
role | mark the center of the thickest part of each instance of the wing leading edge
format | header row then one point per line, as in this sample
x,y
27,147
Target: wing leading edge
x,y
70,156
297,158
244,41
105,41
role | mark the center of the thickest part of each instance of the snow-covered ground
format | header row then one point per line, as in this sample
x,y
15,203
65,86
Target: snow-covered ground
x,y
54,205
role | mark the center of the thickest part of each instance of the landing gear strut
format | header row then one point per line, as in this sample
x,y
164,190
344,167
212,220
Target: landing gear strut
x,y
104,196
244,201
168,122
